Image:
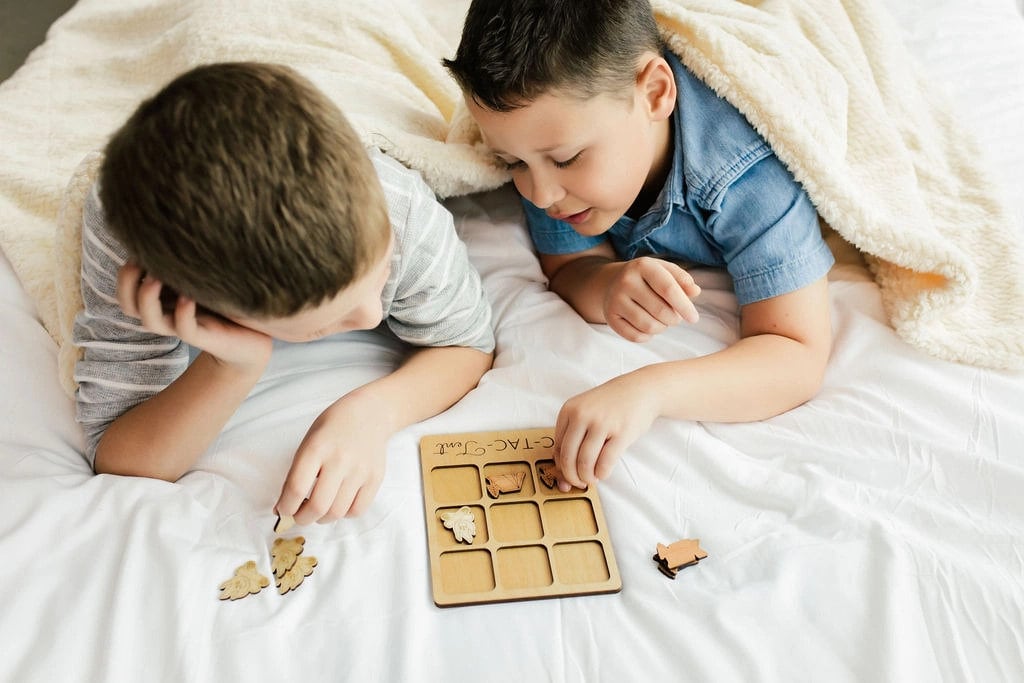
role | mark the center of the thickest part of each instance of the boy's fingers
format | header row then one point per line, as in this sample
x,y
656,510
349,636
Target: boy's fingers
x,y
151,311
676,287
326,491
297,486
565,457
609,455
363,499
185,318
586,458
692,290
626,330
339,496
667,300
649,317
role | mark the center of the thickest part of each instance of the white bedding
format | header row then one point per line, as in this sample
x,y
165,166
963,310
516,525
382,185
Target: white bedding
x,y
873,534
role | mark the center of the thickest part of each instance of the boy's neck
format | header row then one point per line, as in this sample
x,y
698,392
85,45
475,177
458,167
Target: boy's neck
x,y
660,168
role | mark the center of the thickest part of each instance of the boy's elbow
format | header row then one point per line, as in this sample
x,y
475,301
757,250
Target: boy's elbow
x,y
109,462
813,376
482,362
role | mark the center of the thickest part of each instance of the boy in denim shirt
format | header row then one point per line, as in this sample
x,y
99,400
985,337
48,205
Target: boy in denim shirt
x,y
627,163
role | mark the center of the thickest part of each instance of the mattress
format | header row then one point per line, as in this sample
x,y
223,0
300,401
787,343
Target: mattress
x,y
872,534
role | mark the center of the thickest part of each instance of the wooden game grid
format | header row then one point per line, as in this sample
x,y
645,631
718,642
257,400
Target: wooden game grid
x,y
535,543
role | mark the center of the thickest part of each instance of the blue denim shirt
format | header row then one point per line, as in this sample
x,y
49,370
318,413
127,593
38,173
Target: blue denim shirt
x,y
727,202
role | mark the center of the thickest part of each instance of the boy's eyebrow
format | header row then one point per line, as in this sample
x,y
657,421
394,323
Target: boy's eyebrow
x,y
542,150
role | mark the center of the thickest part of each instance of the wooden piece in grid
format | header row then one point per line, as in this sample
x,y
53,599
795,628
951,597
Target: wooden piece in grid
x,y
536,542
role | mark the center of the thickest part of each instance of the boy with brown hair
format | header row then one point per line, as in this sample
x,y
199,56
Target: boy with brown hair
x,y
238,206
629,165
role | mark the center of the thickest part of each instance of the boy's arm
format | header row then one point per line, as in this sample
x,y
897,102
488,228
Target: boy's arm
x,y
437,303
638,298
778,364
340,463
582,278
163,436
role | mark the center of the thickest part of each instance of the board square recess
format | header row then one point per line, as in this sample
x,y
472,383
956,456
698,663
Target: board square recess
x,y
531,540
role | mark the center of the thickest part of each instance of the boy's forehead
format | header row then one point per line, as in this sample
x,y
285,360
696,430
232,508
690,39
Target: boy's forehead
x,y
544,124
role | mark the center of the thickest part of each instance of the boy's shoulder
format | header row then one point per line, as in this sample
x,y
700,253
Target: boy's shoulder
x,y
401,184
411,203
96,236
717,142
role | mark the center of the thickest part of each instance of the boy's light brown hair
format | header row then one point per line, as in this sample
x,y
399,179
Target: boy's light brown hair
x,y
513,51
243,187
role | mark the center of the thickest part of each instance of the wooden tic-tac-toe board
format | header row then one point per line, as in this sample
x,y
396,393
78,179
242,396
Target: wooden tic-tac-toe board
x,y
536,542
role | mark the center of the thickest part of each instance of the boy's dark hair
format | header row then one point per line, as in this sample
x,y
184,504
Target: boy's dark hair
x,y
243,187
513,51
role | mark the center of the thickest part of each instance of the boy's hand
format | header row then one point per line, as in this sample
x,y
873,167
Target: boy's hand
x,y
647,296
340,463
139,297
595,427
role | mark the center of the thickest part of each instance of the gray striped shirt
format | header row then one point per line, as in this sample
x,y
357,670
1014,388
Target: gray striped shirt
x,y
433,297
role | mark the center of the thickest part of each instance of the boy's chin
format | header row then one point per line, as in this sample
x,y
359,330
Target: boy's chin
x,y
597,223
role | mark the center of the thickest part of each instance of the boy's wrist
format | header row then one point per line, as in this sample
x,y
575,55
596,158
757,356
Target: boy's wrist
x,y
371,402
251,369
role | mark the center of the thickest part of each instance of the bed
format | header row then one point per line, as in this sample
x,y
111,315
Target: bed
x,y
872,534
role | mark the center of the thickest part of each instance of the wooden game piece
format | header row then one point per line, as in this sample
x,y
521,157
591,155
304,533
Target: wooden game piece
x,y
670,573
284,554
548,473
510,482
461,522
675,556
294,576
682,553
246,581
550,476
284,523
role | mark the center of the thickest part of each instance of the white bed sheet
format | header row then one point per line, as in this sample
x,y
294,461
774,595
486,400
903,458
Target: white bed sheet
x,y
872,534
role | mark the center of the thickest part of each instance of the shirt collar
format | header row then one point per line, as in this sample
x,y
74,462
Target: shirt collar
x,y
673,189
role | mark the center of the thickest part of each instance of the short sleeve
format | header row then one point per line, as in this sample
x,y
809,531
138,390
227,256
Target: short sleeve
x,y
768,232
438,299
122,364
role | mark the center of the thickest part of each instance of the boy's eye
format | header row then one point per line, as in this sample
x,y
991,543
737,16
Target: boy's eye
x,y
568,162
514,165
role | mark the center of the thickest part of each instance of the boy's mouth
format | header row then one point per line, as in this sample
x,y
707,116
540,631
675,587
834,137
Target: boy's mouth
x,y
574,218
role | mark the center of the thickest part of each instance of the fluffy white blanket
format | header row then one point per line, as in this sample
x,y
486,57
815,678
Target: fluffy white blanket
x,y
831,86
827,82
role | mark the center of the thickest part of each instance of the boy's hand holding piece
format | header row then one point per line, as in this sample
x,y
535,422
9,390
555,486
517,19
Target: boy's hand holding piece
x,y
594,428
340,463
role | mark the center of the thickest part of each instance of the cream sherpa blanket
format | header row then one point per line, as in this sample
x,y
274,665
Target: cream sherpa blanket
x,y
827,82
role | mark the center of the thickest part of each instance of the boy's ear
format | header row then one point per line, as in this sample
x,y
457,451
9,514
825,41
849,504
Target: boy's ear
x,y
656,84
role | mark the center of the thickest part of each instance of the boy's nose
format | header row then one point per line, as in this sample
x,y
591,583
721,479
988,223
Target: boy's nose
x,y
544,190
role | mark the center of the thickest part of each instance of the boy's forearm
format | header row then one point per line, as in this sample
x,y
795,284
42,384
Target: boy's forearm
x,y
163,437
430,381
582,283
757,378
